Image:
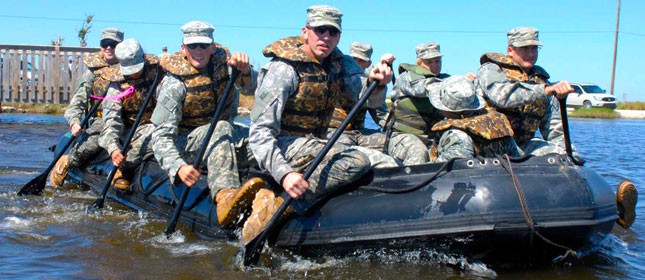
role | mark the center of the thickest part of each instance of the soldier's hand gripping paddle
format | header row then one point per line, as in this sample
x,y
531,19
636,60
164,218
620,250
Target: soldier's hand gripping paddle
x,y
253,249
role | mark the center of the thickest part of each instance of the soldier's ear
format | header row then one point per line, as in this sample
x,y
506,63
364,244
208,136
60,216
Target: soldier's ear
x,y
305,34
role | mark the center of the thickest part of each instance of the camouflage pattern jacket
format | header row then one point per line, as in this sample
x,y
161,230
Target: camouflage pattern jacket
x,y
278,84
505,86
172,96
485,135
411,108
94,80
120,114
345,105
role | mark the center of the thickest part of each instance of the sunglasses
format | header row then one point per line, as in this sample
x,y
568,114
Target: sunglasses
x,y
201,45
109,43
322,29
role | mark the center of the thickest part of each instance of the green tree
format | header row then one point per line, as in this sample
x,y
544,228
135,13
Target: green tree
x,y
84,30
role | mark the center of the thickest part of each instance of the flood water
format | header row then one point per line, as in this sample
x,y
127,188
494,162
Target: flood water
x,y
52,237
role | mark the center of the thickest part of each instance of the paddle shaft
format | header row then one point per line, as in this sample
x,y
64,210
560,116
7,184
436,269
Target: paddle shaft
x,y
565,128
254,248
202,150
98,203
36,185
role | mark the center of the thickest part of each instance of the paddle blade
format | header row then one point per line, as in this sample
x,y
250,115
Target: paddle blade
x,y
96,205
35,186
253,250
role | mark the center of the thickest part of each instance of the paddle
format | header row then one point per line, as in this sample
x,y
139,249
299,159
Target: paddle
x,y
36,185
253,249
202,150
98,203
565,128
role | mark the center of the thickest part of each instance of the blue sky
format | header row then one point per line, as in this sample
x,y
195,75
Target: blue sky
x,y
578,36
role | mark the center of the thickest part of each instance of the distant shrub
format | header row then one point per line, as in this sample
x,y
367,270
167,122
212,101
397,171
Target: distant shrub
x,y
594,113
638,105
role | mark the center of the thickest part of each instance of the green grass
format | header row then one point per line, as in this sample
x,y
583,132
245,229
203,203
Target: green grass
x,y
594,113
33,108
638,105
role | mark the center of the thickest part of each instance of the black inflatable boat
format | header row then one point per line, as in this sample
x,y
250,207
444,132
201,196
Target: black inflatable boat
x,y
471,206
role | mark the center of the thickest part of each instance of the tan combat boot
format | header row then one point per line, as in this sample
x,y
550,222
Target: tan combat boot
x,y
265,205
120,182
58,174
626,198
233,201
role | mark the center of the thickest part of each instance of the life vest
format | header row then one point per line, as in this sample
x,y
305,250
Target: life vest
x,y
309,110
204,89
416,115
133,102
526,119
342,110
102,71
488,131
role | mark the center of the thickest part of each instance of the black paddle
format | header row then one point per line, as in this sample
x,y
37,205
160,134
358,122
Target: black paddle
x,y
98,203
202,150
565,128
253,249
36,185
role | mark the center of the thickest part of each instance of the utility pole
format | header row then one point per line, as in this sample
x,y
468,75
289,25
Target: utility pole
x,y
613,67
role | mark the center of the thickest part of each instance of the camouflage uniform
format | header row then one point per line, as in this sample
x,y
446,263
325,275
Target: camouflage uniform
x,y
120,114
521,97
183,113
403,148
95,81
293,108
483,133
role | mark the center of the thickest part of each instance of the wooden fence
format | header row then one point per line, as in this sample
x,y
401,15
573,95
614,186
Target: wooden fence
x,y
40,74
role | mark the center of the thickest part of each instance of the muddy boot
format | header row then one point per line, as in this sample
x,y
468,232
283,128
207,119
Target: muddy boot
x,y
233,201
626,198
58,174
120,182
265,205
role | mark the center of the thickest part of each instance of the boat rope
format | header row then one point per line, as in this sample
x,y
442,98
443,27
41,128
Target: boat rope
x,y
434,176
569,253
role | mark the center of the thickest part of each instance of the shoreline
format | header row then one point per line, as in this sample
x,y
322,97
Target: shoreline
x,y
622,114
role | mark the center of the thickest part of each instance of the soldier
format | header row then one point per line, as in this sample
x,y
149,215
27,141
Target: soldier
x,y
469,130
362,55
295,99
404,147
125,96
186,100
518,88
95,80
411,110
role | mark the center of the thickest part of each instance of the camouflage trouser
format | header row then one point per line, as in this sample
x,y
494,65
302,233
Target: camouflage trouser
x,y
403,147
140,146
86,146
539,147
245,158
341,166
219,158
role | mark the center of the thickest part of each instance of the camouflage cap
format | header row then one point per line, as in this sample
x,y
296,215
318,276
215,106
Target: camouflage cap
x,y
112,34
523,36
197,32
361,51
130,56
457,94
324,15
428,50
